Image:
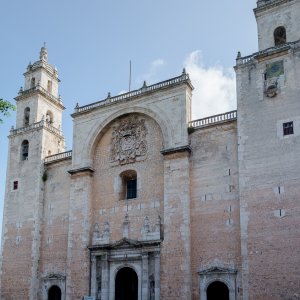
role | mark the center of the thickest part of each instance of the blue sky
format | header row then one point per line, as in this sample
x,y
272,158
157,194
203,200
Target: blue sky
x,y
91,43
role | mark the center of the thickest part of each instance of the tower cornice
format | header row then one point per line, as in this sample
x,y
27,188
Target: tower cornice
x,y
277,50
263,5
36,126
40,91
41,64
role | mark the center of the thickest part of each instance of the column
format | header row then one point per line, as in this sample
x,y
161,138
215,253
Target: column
x,y
145,276
157,274
93,276
105,277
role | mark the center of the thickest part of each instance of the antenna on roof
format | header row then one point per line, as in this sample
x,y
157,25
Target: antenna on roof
x,y
129,75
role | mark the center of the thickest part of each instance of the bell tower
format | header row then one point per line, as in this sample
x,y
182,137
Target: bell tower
x,y
278,22
37,135
269,153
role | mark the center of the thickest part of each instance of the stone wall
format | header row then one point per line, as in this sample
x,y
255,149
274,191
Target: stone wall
x,y
55,226
215,226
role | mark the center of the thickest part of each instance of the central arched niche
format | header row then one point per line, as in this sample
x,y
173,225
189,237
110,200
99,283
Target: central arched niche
x,y
130,144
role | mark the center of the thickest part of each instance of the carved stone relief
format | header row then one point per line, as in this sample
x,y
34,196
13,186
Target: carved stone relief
x,y
128,140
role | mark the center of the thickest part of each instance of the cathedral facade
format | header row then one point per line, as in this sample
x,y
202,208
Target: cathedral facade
x,y
150,204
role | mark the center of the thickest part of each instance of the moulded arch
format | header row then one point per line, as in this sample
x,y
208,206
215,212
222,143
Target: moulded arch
x,y
99,131
122,266
217,278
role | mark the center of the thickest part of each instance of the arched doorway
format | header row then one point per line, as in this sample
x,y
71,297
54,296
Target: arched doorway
x,y
217,291
54,293
126,285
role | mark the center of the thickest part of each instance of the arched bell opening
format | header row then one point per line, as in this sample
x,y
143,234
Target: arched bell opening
x,y
279,36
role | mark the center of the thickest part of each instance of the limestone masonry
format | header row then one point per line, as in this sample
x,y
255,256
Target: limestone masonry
x,y
151,205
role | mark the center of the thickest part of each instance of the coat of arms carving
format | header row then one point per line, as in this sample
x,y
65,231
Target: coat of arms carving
x,y
128,140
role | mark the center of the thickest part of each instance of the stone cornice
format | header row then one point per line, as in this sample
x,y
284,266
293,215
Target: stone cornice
x,y
186,148
42,64
277,50
263,5
84,170
217,270
38,90
125,243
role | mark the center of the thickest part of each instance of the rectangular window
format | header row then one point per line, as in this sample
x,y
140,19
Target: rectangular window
x,y
288,128
15,185
131,189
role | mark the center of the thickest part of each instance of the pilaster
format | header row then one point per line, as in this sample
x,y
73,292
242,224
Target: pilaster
x,y
175,255
157,274
78,267
105,277
145,275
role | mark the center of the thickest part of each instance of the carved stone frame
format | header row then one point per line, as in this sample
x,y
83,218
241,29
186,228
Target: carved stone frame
x,y
225,275
51,280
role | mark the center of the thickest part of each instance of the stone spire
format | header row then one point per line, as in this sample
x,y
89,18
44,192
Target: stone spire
x,y
44,53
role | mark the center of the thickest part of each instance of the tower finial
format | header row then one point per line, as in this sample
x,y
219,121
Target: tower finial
x,y
44,53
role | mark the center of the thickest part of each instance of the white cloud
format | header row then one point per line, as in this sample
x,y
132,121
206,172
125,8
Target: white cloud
x,y
156,63
214,91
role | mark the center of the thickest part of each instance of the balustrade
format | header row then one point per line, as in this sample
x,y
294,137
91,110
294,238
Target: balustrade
x,y
250,58
59,156
228,116
176,80
42,123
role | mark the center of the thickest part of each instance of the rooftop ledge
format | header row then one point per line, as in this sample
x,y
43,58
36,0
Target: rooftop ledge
x,y
266,4
184,78
23,94
267,52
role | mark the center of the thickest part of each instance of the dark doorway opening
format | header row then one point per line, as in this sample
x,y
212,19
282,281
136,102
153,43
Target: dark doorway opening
x,y
126,286
217,291
54,293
